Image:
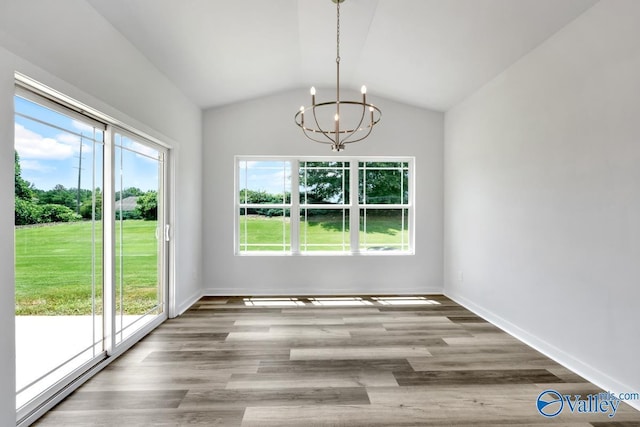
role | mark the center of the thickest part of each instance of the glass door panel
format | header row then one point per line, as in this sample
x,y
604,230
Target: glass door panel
x,y
58,245
89,274
139,234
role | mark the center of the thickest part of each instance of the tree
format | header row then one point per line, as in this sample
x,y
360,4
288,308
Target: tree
x,y
26,211
382,182
262,197
86,208
60,195
322,182
33,206
128,192
147,204
384,186
23,189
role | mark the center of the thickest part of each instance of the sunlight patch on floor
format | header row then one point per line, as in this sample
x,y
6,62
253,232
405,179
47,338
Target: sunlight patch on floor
x,y
272,302
405,301
340,301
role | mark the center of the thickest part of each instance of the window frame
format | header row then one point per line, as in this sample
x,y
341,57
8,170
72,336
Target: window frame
x,y
353,206
283,205
366,207
305,206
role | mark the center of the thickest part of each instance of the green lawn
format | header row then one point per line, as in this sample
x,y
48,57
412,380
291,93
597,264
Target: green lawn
x,y
384,230
57,268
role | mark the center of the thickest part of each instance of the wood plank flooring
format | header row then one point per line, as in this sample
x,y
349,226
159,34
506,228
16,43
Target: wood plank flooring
x,y
428,362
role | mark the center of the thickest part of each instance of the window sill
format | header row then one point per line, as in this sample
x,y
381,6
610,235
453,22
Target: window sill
x,y
373,253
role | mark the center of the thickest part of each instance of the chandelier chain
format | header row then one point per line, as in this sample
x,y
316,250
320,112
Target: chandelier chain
x,y
338,32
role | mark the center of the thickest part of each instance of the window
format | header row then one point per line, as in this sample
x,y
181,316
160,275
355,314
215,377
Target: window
x,y
324,206
329,205
265,205
383,194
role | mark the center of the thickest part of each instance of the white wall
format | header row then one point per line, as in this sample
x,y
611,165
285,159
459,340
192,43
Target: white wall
x,y
265,126
542,197
85,58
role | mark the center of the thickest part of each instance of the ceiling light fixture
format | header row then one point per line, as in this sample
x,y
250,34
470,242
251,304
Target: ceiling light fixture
x,y
360,113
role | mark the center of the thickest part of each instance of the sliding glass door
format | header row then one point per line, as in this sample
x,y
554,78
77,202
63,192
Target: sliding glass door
x,y
140,237
90,243
58,244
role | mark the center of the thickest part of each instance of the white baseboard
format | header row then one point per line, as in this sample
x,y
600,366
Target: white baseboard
x,y
588,372
184,306
224,292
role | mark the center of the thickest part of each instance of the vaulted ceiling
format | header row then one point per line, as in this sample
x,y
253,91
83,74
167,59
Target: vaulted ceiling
x,y
428,53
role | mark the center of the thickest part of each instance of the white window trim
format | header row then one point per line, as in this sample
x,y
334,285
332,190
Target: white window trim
x,y
353,206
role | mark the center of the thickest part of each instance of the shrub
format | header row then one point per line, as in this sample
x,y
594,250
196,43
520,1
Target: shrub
x,y
26,212
134,214
147,205
57,213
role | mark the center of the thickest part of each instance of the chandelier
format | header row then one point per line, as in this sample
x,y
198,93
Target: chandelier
x,y
359,116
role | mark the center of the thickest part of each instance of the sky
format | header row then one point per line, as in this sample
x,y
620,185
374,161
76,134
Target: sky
x,y
50,153
273,177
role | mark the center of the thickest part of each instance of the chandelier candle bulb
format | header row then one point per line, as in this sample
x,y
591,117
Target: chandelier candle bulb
x,y
312,91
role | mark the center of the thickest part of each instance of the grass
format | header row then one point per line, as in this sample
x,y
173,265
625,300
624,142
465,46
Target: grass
x,y
329,232
56,266
265,233
325,233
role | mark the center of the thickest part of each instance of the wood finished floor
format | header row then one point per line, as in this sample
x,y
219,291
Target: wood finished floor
x,y
223,363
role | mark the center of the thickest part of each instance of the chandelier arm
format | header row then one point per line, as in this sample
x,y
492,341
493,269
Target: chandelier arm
x,y
315,118
317,140
359,139
370,127
355,130
366,105
345,131
307,130
307,133
376,109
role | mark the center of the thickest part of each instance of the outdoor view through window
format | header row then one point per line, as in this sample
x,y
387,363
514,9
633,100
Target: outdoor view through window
x,y
337,205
